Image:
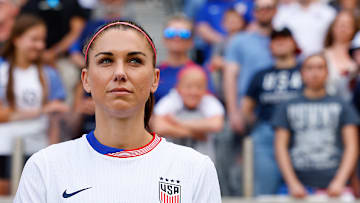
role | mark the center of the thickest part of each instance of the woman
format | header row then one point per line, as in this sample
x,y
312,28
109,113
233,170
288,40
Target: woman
x,y
178,40
28,93
120,161
341,66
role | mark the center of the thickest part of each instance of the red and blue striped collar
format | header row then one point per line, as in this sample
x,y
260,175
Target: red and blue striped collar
x,y
121,153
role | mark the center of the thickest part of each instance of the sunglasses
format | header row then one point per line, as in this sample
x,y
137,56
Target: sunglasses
x,y
171,33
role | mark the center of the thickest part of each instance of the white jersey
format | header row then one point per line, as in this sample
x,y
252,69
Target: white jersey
x,y
28,93
84,170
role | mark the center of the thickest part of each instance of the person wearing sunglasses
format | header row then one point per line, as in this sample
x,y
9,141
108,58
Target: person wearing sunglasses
x,y
178,40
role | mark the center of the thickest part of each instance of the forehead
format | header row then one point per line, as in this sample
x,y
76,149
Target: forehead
x,y
121,40
193,75
181,24
315,60
265,2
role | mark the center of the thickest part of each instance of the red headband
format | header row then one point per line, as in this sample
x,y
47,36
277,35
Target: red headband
x,y
120,23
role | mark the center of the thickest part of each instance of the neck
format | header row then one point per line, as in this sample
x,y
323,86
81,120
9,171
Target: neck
x,y
21,62
285,62
305,3
263,29
122,133
177,59
341,46
315,93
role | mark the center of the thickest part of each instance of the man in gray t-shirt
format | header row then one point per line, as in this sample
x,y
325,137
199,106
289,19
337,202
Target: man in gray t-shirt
x,y
316,135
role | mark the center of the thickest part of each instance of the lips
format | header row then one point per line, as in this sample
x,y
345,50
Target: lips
x,y
120,90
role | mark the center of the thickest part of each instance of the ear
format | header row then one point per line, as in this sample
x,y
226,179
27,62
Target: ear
x,y
155,83
85,80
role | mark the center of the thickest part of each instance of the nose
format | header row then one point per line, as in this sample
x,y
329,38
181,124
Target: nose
x,y
120,72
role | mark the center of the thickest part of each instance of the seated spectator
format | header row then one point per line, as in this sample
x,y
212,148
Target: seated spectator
x,y
209,26
316,138
233,22
188,114
302,16
268,89
178,40
31,94
341,66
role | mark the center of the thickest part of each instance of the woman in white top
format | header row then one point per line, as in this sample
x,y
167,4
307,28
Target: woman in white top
x,y
28,93
341,67
120,161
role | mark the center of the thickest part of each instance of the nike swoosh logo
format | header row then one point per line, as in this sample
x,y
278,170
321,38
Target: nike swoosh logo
x,y
66,195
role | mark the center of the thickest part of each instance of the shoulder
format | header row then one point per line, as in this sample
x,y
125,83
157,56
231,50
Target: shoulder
x,y
185,155
211,106
56,153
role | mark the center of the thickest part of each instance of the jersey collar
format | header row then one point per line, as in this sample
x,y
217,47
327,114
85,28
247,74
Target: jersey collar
x,y
121,153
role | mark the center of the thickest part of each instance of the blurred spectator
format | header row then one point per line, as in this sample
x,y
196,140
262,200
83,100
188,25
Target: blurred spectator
x,y
209,22
178,40
316,136
246,54
8,12
233,22
308,20
30,94
268,89
189,115
341,66
65,20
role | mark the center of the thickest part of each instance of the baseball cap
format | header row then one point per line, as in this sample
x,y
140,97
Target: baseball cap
x,y
284,32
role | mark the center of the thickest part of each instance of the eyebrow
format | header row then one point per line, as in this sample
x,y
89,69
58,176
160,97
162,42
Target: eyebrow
x,y
129,54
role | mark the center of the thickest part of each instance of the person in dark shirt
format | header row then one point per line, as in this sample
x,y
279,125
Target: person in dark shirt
x,y
65,20
269,88
316,139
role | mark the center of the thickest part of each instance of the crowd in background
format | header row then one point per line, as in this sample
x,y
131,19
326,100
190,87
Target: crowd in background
x,y
284,72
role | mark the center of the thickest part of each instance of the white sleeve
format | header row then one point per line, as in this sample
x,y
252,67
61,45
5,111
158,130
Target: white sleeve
x,y
32,187
169,104
207,189
211,106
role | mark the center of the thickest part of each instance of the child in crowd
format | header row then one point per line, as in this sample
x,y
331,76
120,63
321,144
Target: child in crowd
x,y
233,22
316,140
188,115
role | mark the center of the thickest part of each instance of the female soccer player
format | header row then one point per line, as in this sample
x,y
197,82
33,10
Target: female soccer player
x,y
120,161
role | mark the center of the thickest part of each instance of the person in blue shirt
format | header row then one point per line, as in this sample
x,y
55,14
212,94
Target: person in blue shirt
x,y
178,40
209,26
268,89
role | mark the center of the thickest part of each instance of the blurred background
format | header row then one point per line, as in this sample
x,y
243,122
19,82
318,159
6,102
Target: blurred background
x,y
240,81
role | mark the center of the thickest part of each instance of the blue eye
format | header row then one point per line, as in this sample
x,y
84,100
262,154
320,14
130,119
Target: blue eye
x,y
104,61
135,61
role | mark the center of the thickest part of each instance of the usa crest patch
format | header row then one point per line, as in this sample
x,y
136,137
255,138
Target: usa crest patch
x,y
169,191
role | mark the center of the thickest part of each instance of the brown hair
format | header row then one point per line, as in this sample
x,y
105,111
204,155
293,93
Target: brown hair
x,y
329,40
182,18
151,100
22,24
320,54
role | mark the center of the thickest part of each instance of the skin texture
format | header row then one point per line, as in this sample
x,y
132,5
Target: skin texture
x,y
314,73
120,59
